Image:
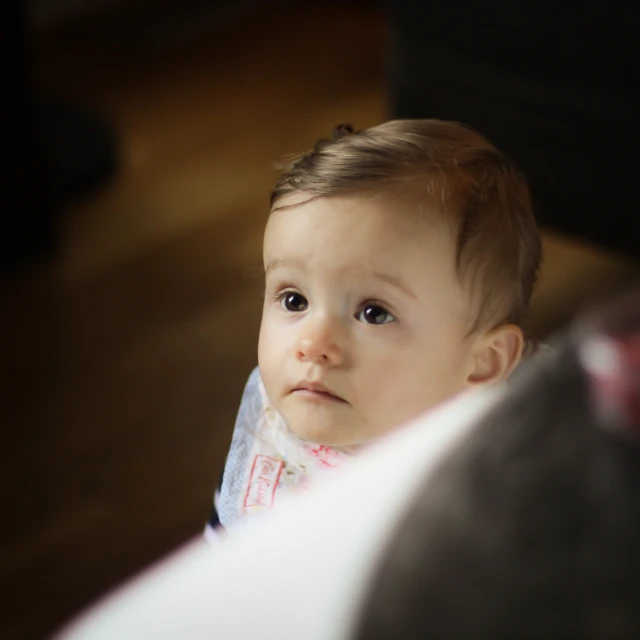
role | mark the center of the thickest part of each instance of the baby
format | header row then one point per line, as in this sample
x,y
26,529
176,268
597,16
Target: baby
x,y
399,261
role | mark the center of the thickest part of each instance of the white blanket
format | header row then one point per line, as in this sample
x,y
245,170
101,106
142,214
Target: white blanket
x,y
301,572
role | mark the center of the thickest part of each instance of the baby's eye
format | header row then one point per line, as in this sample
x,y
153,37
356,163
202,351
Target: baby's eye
x,y
375,314
292,301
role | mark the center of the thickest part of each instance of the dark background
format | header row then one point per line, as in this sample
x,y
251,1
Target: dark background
x,y
140,142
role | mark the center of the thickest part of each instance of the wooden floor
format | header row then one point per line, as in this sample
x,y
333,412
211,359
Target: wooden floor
x,y
128,353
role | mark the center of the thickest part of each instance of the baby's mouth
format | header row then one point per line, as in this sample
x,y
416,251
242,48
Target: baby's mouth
x,y
315,390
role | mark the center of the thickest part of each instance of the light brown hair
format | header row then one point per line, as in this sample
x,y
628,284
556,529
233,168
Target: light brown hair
x,y
447,168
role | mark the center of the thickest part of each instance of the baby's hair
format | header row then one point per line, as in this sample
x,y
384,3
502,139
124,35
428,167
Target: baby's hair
x,y
448,169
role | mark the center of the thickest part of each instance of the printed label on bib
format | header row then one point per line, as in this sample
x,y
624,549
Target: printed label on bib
x,y
263,481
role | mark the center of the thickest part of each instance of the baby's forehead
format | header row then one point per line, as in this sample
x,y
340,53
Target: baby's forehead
x,y
360,235
374,222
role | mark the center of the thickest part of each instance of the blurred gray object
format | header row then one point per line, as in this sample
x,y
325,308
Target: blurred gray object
x,y
56,152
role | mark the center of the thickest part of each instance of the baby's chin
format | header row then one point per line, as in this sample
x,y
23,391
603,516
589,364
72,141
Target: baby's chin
x,y
331,435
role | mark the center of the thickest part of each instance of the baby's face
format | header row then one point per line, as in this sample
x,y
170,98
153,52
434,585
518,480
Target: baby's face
x,y
364,320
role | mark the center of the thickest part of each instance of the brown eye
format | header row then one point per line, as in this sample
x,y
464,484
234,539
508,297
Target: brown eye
x,y
294,302
375,314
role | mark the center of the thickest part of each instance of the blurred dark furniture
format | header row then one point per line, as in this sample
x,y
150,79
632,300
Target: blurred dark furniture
x,y
54,152
553,84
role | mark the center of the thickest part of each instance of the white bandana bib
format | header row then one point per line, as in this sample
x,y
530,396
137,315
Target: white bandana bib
x,y
266,458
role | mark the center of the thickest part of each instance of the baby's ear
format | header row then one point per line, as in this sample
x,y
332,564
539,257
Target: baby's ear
x,y
496,355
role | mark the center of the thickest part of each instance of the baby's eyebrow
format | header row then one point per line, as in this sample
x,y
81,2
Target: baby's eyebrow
x,y
395,282
283,262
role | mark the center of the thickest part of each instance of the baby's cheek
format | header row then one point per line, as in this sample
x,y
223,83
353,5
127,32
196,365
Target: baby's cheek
x,y
268,372
388,397
412,393
267,341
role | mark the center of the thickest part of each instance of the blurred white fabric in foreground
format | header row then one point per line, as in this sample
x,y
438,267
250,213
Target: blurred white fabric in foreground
x,y
302,571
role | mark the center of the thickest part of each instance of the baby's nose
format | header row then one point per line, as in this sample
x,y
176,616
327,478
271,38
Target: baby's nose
x,y
320,341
